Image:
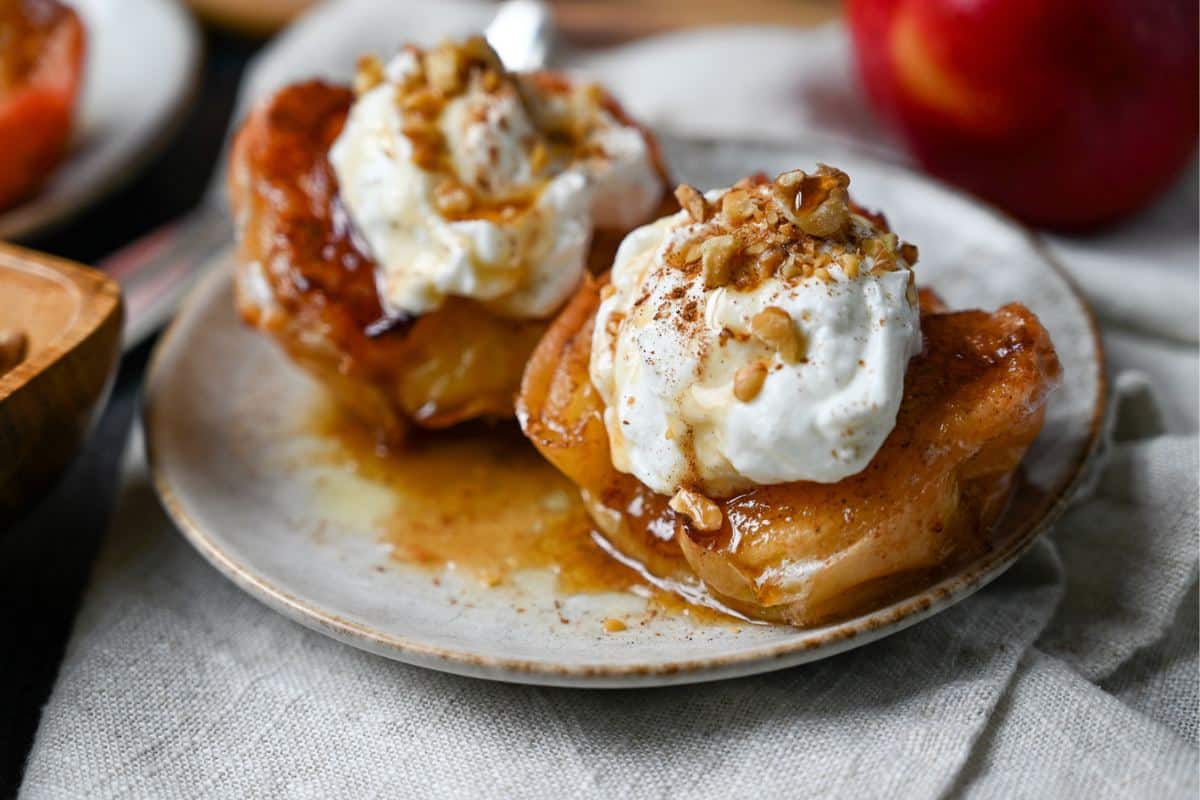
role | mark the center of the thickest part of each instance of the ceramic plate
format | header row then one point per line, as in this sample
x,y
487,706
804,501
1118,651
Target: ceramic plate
x,y
237,472
141,62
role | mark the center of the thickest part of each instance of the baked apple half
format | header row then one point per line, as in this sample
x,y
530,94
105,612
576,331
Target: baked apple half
x,y
41,67
759,398
407,240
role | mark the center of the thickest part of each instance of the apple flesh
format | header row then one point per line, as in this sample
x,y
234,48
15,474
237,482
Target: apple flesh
x,y
1066,113
41,67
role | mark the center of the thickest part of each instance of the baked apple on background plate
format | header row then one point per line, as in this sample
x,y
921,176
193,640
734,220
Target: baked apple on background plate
x,y
41,67
88,91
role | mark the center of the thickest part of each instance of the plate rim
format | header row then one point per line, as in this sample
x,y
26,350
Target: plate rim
x,y
830,640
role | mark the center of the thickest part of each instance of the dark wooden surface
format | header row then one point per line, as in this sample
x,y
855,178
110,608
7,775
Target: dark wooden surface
x,y
45,558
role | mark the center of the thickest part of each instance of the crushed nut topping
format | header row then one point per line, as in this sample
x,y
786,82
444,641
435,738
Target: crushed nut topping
x,y
435,77
704,514
799,225
736,206
748,381
821,204
692,201
715,255
368,74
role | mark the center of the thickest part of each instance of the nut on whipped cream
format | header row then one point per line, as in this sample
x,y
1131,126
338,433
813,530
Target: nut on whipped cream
x,y
465,180
759,336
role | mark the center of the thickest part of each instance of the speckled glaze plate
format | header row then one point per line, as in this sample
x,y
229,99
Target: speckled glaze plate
x,y
142,57
234,470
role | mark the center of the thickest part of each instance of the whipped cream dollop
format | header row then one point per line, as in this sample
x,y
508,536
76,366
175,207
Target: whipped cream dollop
x,y
759,336
463,180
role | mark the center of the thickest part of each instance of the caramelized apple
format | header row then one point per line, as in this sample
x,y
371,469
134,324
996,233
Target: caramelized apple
x,y
804,552
306,278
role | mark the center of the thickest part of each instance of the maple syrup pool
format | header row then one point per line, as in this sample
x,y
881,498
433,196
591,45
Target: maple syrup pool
x,y
479,499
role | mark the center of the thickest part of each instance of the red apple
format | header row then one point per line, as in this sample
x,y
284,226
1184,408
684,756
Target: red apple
x,y
41,65
1067,113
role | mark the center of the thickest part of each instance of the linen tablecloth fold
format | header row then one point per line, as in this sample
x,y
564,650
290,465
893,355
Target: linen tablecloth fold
x,y
1075,674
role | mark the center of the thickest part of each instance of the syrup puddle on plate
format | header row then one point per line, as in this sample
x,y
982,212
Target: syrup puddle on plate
x,y
480,501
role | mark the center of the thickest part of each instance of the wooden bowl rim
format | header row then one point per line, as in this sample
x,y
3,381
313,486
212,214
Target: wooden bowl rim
x,y
99,299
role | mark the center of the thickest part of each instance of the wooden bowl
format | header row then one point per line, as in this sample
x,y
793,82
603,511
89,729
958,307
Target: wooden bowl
x,y
66,319
256,18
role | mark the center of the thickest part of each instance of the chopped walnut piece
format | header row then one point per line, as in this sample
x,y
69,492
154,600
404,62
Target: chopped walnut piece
x,y
692,201
748,381
426,141
423,101
704,514
770,260
582,101
792,179
716,260
850,263
539,156
452,197
829,218
818,203
476,50
909,253
443,65
368,74
737,206
883,258
791,266
773,327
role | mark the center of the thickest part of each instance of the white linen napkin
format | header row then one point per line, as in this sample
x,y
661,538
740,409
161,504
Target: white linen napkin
x,y
1075,674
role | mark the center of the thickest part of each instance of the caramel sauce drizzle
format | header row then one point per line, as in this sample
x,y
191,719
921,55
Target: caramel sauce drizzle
x,y
481,500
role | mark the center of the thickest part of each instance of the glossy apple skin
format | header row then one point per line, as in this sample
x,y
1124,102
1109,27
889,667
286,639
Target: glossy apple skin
x,y
1067,113
36,113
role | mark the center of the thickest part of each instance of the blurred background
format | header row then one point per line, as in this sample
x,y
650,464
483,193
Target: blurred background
x,y
1095,104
